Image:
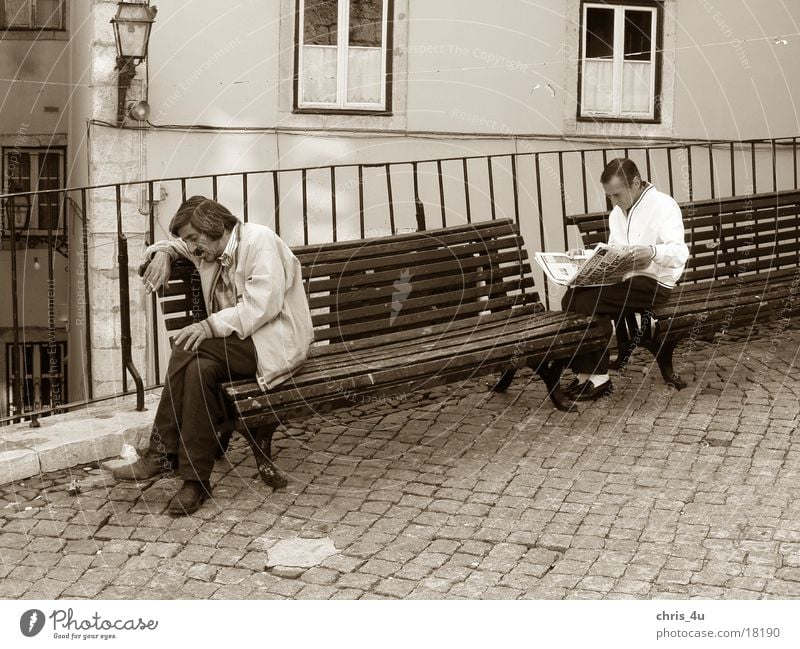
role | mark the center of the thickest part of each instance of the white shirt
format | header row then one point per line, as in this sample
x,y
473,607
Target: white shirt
x,y
653,220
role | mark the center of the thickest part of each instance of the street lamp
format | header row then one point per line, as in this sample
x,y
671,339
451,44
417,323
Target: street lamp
x,y
132,25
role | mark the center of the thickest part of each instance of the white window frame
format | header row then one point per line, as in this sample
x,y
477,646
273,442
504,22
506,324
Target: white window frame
x,y
342,46
32,26
618,59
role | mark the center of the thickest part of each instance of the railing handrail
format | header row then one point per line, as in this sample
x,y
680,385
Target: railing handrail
x,y
783,141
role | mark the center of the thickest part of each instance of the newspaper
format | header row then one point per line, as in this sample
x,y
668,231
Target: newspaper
x,y
596,267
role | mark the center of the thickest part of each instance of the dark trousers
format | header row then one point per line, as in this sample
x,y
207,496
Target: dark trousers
x,y
190,409
611,301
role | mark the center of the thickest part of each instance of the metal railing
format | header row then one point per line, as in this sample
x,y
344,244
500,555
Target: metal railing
x,y
538,189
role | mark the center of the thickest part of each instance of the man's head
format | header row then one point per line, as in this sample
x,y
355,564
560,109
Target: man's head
x,y
621,182
204,225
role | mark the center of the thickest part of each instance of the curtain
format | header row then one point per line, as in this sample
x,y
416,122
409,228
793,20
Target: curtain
x,y
319,73
48,14
636,91
364,75
598,86
17,13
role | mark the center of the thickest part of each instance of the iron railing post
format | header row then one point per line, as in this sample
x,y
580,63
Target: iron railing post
x,y
125,310
16,365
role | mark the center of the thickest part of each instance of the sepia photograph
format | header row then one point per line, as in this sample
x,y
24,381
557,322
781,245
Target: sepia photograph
x,y
292,309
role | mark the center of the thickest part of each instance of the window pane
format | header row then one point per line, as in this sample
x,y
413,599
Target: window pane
x,y
319,74
48,14
366,23
599,33
320,21
18,171
636,92
49,178
364,75
598,86
638,44
17,13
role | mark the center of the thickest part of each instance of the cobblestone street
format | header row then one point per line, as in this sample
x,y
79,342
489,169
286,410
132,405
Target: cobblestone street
x,y
461,493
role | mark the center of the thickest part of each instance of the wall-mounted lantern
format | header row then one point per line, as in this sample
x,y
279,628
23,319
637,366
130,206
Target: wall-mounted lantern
x,y
132,25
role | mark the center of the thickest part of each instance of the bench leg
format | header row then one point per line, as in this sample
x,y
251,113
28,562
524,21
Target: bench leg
x,y
663,354
631,335
502,384
550,373
625,346
224,441
260,441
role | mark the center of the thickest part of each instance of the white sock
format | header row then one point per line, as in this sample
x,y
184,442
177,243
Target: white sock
x,y
582,378
598,379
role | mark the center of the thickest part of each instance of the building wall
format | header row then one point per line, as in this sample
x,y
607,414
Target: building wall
x,y
469,68
34,95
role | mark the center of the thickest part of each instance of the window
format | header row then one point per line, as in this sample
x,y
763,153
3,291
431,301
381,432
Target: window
x,y
620,61
342,55
33,14
44,378
26,170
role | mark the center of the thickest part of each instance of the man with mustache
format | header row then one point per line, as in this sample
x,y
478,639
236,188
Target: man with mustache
x,y
260,325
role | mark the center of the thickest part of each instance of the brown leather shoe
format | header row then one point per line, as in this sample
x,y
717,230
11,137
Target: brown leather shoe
x,y
149,465
188,500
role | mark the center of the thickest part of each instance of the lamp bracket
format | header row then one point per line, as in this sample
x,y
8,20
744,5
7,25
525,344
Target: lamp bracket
x,y
127,70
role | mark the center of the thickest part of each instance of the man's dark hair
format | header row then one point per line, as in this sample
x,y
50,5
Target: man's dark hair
x,y
205,215
620,168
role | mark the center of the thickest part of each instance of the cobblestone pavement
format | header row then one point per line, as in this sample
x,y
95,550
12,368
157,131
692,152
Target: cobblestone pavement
x,y
460,493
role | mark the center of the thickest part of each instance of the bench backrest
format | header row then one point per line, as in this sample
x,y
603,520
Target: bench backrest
x,y
728,237
181,299
368,287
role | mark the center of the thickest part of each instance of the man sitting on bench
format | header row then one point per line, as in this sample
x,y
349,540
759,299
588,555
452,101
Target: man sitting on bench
x,y
260,325
648,224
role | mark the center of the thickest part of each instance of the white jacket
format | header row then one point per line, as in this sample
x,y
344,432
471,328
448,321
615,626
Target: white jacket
x,y
653,220
271,302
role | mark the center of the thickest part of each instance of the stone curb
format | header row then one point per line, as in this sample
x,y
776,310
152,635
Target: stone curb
x,y
83,436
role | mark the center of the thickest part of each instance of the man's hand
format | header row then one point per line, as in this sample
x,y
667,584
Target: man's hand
x,y
194,334
157,272
642,256
637,257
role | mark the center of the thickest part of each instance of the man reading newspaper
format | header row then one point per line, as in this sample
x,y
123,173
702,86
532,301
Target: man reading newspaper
x,y
646,225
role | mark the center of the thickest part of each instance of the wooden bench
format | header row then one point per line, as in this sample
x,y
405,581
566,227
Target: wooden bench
x,y
401,313
743,269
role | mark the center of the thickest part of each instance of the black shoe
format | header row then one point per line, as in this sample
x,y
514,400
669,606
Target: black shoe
x,y
572,387
588,391
148,466
188,500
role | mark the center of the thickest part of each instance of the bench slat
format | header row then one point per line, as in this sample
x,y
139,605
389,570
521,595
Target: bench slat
x,y
324,284
412,259
476,226
415,320
414,242
437,281
431,304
